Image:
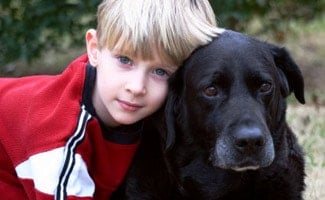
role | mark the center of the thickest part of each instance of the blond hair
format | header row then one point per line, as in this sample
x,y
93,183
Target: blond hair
x,y
174,27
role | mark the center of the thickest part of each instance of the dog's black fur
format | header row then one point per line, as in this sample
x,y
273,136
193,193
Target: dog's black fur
x,y
226,134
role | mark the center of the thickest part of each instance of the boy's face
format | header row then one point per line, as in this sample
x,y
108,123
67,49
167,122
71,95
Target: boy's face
x,y
128,89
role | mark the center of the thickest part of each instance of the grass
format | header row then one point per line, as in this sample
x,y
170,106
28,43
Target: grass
x,y
308,123
51,62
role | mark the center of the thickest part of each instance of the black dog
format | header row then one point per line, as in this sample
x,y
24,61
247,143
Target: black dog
x,y
226,134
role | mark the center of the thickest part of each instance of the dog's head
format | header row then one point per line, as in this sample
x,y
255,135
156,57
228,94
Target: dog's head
x,y
228,100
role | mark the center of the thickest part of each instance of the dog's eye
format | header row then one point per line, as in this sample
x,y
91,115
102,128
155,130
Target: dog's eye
x,y
211,91
265,87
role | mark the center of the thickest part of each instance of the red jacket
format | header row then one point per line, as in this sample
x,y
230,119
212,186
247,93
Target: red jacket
x,y
51,142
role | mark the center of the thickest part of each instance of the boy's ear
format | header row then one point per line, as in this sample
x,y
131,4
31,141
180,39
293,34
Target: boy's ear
x,y
92,47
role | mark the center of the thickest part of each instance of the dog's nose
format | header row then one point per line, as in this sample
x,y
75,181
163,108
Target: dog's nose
x,y
249,139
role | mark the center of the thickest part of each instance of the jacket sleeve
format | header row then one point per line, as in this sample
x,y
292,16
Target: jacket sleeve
x,y
10,186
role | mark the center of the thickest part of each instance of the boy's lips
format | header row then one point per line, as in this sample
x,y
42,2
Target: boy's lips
x,y
128,106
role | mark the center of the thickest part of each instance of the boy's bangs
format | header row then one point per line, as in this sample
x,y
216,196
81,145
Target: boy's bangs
x,y
145,47
133,48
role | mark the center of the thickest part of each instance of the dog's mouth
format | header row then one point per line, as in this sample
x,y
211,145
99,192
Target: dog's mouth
x,y
244,165
247,164
241,169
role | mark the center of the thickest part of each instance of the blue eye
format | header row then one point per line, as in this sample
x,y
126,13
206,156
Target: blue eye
x,y
160,72
124,60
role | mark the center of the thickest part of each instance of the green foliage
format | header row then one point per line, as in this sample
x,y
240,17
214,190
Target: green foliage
x,y
30,27
274,15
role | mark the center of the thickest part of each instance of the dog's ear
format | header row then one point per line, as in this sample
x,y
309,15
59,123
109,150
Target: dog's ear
x,y
172,107
285,89
291,78
170,134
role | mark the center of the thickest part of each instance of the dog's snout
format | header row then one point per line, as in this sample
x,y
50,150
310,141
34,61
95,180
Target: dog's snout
x,y
249,139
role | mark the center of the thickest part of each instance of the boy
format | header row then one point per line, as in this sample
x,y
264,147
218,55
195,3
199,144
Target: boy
x,y
73,136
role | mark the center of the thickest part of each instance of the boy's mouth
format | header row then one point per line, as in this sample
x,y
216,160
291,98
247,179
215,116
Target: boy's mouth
x,y
128,106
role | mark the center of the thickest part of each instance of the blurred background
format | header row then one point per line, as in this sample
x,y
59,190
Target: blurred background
x,y
42,37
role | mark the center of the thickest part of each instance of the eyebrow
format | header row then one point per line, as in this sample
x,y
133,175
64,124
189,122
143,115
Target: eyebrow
x,y
172,68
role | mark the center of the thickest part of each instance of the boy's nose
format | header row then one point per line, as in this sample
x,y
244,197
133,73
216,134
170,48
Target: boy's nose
x,y
136,84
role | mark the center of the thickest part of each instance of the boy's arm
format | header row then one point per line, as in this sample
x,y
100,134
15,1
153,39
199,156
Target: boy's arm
x,y
10,186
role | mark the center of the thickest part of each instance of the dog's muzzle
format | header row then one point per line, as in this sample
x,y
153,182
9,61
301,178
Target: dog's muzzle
x,y
248,148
